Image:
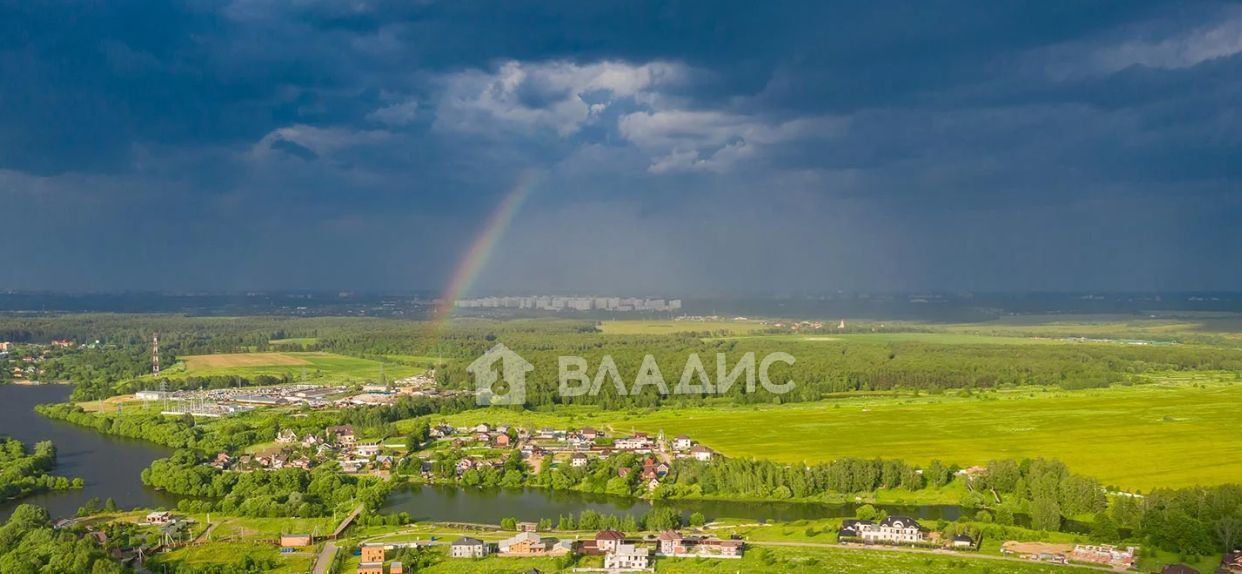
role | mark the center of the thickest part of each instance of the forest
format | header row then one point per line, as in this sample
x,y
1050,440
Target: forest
x,y
29,545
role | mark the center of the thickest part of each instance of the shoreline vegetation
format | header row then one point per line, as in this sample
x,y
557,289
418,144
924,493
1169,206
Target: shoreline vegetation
x,y
25,471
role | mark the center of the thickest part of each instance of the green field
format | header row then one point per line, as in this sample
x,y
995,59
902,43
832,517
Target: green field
x,y
1171,434
315,366
1180,431
934,338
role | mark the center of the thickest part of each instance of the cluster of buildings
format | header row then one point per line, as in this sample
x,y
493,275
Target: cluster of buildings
x,y
29,365
555,303
1105,554
310,450
620,553
576,446
372,561
898,531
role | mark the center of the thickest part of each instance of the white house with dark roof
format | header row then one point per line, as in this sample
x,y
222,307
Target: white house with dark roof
x,y
891,530
467,547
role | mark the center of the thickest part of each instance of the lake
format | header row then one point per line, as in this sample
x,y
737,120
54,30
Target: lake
x,y
110,465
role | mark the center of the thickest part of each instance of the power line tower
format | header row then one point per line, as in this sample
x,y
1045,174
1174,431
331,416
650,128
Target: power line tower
x,y
155,355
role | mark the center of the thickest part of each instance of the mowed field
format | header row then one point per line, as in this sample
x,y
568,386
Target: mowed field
x,y
1180,431
313,365
1170,434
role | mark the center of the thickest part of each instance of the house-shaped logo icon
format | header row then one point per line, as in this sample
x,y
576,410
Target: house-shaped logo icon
x,y
513,370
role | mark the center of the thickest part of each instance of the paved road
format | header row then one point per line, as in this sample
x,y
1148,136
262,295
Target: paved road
x,y
324,562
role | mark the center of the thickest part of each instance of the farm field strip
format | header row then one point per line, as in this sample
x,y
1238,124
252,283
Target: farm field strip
x,y
316,365
1178,432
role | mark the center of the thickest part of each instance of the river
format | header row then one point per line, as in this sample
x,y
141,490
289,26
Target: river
x,y
111,467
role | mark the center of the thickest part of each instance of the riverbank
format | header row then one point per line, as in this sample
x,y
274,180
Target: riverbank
x,y
109,466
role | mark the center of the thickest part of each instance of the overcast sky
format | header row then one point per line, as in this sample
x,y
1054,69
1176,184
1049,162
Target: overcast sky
x,y
681,147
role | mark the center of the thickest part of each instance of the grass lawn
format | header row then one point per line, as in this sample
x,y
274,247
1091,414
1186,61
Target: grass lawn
x,y
316,366
1155,560
262,529
786,560
1180,431
232,553
1133,437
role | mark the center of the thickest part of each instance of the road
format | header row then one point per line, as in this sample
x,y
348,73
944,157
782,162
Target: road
x,y
324,562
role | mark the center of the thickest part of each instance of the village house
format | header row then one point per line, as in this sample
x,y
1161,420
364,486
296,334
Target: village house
x,y
682,442
702,453
286,436
370,568
482,428
222,460
532,451
524,544
627,557
310,440
608,540
590,433
468,548
672,543
527,526
373,553
159,517
891,530
370,448
343,434
639,442
962,541
396,568
578,460
502,440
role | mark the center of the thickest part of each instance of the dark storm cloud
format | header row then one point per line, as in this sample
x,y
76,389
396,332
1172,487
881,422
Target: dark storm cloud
x,y
681,146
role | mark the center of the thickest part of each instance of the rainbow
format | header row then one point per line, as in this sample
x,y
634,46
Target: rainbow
x,y
467,270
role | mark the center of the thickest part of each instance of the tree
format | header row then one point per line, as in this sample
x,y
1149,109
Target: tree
x,y
697,519
1045,514
508,523
1229,530
663,518
866,512
1104,529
